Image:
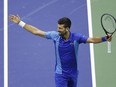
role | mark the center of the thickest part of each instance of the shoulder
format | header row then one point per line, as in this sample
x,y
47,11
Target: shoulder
x,y
76,35
51,34
80,37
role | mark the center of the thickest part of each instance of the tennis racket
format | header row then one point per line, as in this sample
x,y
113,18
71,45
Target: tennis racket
x,y
108,23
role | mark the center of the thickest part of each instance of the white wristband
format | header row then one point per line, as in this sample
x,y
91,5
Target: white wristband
x,y
22,24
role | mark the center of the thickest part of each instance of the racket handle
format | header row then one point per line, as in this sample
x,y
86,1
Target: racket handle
x,y
109,47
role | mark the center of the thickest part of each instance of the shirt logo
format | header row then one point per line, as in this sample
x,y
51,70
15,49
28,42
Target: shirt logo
x,y
71,43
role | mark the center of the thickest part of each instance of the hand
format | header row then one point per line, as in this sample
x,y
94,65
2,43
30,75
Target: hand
x,y
109,37
15,19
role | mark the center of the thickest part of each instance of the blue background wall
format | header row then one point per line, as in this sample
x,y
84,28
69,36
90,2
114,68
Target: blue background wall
x,y
31,58
1,44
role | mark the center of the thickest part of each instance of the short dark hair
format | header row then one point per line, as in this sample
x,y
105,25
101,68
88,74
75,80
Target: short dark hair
x,y
66,21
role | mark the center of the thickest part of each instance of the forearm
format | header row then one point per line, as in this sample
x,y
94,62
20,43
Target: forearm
x,y
32,29
96,39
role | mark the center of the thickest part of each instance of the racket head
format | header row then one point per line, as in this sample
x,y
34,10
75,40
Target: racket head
x,y
108,23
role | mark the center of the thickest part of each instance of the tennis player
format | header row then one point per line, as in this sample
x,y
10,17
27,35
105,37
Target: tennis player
x,y
66,48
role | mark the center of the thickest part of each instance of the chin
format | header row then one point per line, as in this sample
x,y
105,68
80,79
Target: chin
x,y
60,34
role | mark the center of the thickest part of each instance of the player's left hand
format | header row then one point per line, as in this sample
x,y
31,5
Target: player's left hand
x,y
109,37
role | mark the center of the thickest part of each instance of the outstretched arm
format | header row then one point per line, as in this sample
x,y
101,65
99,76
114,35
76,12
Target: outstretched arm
x,y
99,39
30,28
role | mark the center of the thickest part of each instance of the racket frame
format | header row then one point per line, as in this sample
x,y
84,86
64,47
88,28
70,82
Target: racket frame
x,y
108,33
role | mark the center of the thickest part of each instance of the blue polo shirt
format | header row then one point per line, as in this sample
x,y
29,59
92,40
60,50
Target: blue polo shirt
x,y
66,51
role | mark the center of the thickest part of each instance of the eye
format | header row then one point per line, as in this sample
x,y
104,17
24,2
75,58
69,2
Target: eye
x,y
60,28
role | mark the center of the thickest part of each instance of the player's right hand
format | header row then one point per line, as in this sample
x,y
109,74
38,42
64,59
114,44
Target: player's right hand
x,y
15,19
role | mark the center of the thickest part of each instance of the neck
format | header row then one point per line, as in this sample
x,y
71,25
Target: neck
x,y
66,36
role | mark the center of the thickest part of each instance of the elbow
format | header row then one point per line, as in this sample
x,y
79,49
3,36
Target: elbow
x,y
35,32
91,40
95,42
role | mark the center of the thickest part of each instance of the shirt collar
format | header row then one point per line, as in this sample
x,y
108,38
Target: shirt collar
x,y
70,37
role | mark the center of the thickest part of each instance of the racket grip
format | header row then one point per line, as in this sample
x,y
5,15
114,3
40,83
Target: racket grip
x,y
109,47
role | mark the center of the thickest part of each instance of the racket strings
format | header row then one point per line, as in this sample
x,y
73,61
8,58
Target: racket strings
x,y
109,23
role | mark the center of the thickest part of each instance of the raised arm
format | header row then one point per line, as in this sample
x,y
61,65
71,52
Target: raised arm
x,y
30,28
99,39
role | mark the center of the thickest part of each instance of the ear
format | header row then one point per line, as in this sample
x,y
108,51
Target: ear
x,y
67,29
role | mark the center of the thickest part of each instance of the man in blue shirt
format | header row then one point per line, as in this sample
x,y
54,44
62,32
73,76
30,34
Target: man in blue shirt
x,y
66,48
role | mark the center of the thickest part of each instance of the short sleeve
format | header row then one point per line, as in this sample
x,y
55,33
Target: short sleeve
x,y
51,35
81,38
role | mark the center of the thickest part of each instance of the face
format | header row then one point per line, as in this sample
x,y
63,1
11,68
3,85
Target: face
x,y
62,30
